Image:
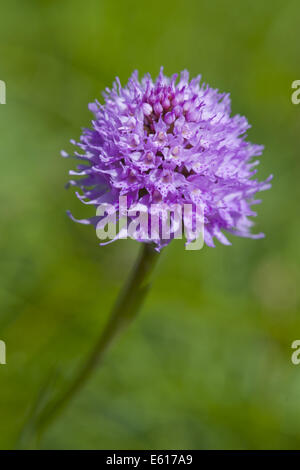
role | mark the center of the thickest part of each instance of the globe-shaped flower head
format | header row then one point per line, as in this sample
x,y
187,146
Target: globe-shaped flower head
x,y
170,142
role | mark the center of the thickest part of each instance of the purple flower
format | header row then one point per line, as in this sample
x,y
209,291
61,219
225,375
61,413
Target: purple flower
x,y
170,142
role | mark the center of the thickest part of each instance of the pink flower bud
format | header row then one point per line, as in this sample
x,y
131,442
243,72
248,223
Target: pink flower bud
x,y
147,109
169,118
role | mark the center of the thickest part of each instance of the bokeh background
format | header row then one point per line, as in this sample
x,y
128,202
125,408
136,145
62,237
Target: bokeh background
x,y
207,364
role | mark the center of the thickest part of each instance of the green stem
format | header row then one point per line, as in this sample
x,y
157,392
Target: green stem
x,y
123,312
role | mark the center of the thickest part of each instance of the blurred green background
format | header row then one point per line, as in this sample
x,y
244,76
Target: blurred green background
x,y
207,364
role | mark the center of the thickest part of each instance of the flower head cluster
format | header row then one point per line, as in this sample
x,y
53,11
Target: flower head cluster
x,y
171,141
